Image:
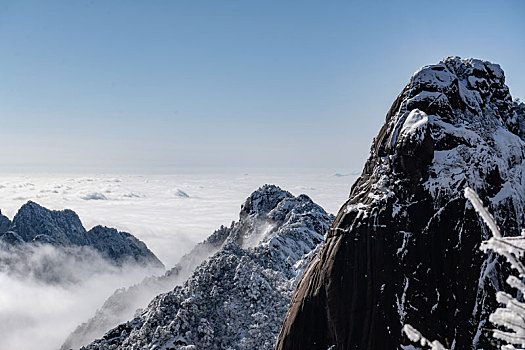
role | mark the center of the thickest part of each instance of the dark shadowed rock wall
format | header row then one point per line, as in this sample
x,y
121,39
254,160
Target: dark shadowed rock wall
x,y
404,247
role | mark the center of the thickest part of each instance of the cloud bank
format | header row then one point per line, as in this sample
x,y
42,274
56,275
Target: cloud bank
x,y
45,292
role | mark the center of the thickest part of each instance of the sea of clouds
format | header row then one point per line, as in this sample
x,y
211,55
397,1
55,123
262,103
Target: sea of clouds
x,y
170,213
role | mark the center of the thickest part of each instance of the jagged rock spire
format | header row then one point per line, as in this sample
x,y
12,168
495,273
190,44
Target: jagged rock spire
x,y
404,247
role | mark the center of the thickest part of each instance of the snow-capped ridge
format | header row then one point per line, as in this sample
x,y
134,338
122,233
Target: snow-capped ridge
x,y
238,296
263,200
34,224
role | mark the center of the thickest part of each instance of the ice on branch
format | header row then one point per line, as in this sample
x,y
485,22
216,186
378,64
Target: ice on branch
x,y
415,336
482,211
512,315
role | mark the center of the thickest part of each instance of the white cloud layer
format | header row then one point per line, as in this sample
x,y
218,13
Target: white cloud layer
x,y
169,213
52,290
155,208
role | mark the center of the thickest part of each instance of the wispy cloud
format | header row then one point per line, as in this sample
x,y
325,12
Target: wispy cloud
x,y
46,292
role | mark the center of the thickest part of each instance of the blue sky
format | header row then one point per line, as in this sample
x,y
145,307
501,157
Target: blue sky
x,y
161,86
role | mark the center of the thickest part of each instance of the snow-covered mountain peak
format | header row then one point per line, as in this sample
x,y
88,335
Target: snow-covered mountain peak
x,y
255,224
264,199
267,216
470,85
454,125
235,299
34,224
456,117
34,221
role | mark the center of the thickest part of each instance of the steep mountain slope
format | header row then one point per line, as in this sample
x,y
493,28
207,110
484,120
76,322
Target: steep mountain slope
x,y
123,304
36,224
238,297
404,247
5,223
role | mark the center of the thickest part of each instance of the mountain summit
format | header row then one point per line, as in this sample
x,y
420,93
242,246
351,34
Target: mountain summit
x,y
63,228
404,247
237,298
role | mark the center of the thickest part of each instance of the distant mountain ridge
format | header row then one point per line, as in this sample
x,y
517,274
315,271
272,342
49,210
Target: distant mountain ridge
x,y
63,228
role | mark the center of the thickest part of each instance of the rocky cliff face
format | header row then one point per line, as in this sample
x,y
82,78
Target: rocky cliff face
x,y
404,247
237,298
63,228
5,223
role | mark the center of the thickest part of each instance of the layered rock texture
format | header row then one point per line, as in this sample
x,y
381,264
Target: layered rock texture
x,y
404,247
34,224
237,298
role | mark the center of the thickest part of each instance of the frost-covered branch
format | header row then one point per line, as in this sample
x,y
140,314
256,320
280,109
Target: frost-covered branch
x,y
482,211
512,316
415,336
